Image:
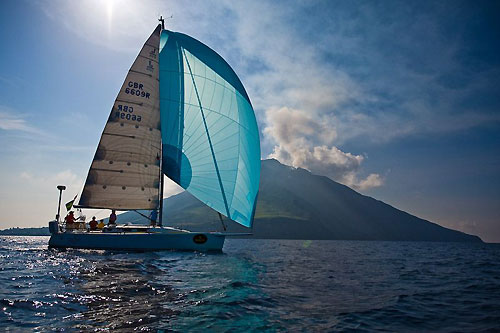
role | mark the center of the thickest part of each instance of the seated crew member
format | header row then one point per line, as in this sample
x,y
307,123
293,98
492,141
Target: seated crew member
x,y
101,224
70,220
93,224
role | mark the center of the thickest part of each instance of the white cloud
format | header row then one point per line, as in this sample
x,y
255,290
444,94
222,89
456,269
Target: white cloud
x,y
302,141
9,121
377,85
26,175
299,94
33,138
303,126
66,177
391,87
372,180
394,89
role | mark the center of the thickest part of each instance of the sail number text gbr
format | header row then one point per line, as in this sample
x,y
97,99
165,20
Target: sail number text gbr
x,y
135,88
126,111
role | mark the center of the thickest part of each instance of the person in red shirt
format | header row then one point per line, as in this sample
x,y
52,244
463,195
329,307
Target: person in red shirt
x,y
93,224
70,218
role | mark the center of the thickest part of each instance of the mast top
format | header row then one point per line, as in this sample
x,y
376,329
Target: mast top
x,y
162,20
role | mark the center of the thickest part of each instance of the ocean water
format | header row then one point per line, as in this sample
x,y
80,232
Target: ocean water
x,y
255,285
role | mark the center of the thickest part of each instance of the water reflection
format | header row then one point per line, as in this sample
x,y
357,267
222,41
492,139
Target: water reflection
x,y
254,286
168,290
121,292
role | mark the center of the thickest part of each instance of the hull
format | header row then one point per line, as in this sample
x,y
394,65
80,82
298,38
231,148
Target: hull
x,y
186,241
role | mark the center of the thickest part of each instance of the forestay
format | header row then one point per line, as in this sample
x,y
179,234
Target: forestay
x,y
125,171
210,137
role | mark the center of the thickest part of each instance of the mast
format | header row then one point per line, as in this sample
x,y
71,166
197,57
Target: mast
x,y
160,222
162,20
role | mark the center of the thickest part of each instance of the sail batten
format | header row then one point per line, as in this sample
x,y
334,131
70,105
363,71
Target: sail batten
x,y
125,168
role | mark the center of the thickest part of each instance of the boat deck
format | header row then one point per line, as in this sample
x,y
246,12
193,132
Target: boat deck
x,y
138,238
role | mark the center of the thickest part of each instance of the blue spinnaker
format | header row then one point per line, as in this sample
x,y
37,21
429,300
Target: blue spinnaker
x,y
210,137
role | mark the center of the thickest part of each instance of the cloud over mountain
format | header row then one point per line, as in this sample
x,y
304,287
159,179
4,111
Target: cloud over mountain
x,y
306,142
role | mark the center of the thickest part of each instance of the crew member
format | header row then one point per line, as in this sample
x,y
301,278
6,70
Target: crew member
x,y
112,218
153,216
70,218
93,224
101,224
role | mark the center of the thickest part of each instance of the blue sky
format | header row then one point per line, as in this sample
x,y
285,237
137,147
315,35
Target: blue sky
x,y
398,100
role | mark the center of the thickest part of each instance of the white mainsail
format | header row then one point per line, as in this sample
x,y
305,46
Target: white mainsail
x,y
125,172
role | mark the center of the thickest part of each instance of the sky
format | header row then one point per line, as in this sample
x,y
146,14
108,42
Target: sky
x,y
398,100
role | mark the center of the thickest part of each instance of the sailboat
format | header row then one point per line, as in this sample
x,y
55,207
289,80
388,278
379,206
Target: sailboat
x,y
181,112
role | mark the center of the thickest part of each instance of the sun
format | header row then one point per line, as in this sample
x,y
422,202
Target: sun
x,y
109,12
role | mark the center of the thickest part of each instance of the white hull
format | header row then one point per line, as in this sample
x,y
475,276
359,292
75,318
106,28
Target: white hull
x,y
151,240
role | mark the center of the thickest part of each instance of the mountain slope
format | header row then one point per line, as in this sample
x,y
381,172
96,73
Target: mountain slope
x,y
293,203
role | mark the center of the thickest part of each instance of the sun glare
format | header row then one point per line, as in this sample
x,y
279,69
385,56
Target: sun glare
x,y
109,11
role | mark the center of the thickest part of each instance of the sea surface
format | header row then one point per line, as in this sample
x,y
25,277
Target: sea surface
x,y
254,285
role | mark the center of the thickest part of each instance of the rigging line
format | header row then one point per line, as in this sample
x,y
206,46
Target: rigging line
x,y
208,136
180,124
221,221
143,215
